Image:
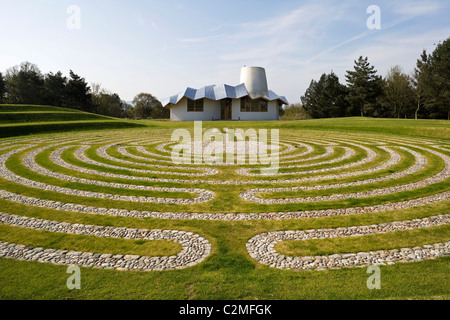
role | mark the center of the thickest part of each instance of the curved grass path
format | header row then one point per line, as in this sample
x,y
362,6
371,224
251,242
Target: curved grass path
x,y
123,186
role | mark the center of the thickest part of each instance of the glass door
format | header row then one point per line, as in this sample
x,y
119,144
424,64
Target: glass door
x,y
226,109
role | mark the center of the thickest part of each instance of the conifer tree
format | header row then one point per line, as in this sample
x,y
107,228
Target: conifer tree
x,y
364,87
2,87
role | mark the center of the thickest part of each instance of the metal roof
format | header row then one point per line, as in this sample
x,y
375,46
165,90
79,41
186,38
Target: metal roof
x,y
222,91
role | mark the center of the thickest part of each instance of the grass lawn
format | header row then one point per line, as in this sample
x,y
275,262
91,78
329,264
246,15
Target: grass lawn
x,y
21,120
228,272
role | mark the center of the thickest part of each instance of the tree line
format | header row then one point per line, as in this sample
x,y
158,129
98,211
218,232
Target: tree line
x,y
423,94
25,84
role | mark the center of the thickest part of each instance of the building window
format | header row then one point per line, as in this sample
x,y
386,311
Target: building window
x,y
264,106
255,105
245,104
195,106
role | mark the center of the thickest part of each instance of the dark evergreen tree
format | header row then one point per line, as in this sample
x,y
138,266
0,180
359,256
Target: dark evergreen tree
x,y
325,98
55,91
2,87
335,95
78,94
24,84
127,110
437,85
311,99
364,86
108,104
420,82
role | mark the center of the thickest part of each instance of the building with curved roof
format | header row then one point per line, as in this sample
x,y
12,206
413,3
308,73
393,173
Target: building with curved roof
x,y
250,100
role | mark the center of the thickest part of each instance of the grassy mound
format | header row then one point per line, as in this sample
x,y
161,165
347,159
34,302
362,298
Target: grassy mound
x,y
20,120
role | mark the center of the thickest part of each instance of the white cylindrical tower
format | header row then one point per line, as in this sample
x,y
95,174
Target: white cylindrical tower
x,y
255,81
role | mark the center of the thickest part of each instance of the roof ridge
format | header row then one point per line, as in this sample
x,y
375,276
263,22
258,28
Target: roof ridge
x,y
219,92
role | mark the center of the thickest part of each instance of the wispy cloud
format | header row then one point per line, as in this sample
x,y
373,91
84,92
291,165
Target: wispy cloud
x,y
343,43
407,12
282,35
194,43
415,9
299,40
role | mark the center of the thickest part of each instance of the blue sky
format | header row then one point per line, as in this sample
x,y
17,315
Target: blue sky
x,y
163,46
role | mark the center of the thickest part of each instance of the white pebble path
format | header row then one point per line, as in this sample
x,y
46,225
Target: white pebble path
x,y
250,195
79,154
102,153
371,155
71,207
419,253
261,247
348,154
204,195
29,161
195,249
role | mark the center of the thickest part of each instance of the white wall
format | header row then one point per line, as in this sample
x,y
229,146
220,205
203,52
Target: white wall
x,y
211,110
271,114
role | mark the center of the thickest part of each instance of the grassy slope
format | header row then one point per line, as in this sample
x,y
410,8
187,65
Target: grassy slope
x,y
413,128
229,273
21,120
416,128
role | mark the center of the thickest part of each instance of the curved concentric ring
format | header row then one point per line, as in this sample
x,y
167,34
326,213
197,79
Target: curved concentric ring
x,y
195,248
317,176
261,247
31,164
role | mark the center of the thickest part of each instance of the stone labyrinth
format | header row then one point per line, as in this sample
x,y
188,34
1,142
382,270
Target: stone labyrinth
x,y
124,175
